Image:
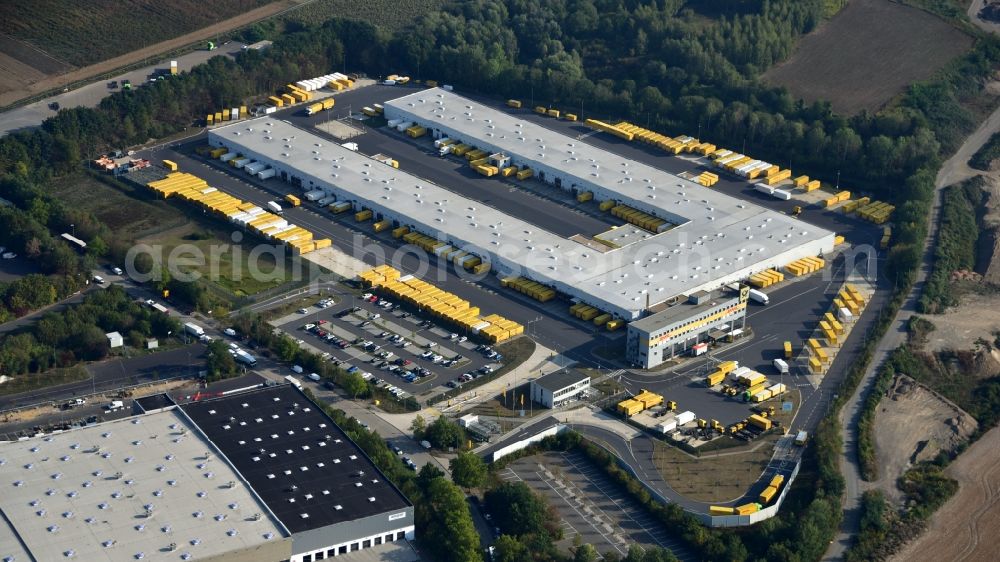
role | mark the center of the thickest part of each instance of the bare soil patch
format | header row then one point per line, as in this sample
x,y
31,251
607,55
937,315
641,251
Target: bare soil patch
x,y
867,54
966,525
960,326
988,246
913,424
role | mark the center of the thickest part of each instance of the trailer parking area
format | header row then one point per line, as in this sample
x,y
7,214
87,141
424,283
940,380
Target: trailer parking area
x,y
591,505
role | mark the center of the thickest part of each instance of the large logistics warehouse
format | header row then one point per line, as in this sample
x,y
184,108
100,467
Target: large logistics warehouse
x,y
712,239
259,475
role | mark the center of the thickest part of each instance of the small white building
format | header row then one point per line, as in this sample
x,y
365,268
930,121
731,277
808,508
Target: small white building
x,y
553,389
115,339
468,419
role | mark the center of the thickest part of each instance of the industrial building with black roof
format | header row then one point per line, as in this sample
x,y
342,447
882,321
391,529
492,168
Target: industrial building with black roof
x,y
309,473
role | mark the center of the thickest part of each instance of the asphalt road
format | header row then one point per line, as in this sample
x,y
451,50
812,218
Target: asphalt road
x,y
32,115
116,373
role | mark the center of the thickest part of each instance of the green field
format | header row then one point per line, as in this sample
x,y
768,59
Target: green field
x,y
82,33
214,243
133,217
118,205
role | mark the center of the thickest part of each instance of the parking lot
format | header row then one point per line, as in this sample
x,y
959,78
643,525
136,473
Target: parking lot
x,y
590,504
399,348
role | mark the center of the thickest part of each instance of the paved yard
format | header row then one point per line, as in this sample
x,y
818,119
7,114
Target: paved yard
x,y
591,505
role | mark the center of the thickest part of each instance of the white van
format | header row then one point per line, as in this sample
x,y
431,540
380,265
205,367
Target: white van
x,y
297,369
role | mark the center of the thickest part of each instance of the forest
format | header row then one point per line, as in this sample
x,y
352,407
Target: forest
x,y
62,339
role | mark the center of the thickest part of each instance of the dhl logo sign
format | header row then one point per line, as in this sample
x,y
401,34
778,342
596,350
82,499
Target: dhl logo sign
x,y
653,342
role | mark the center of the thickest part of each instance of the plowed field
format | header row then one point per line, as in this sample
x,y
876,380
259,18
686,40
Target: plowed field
x,y
966,527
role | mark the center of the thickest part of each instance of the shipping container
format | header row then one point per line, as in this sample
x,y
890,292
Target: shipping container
x,y
759,422
747,509
685,417
781,366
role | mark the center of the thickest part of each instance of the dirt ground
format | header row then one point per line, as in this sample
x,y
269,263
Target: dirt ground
x,y
13,87
988,251
962,325
966,527
913,424
868,53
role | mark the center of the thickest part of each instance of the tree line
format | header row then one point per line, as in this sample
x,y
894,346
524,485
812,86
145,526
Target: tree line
x,y
64,338
958,236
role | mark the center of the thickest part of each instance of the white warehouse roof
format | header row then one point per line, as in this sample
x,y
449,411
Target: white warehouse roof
x,y
63,498
719,239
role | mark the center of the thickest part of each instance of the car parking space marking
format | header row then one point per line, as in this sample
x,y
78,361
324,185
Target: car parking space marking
x,y
544,479
630,511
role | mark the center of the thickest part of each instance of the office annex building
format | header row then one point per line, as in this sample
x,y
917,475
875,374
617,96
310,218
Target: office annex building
x,y
711,239
260,475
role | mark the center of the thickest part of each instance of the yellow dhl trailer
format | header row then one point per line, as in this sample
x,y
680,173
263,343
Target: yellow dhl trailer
x,y
715,378
767,495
